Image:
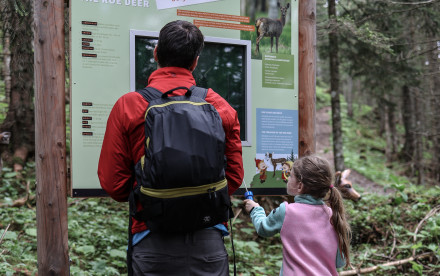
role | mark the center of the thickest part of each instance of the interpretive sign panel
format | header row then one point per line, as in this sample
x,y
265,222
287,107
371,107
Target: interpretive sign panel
x,y
111,54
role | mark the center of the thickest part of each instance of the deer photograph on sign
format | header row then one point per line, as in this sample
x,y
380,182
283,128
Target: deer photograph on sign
x,y
272,29
268,27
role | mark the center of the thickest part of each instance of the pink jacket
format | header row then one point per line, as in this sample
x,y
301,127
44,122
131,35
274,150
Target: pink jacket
x,y
309,240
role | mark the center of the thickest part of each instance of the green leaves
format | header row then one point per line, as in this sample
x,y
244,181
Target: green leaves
x,y
97,231
399,187
417,268
85,249
115,253
31,232
10,175
10,235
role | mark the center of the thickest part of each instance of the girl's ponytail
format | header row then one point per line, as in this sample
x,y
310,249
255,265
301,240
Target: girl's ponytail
x,y
340,223
317,177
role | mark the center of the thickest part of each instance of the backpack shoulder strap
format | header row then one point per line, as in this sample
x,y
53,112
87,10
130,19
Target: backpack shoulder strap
x,y
150,93
198,91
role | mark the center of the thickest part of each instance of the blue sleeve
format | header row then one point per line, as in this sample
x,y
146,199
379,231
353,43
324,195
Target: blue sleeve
x,y
340,261
270,225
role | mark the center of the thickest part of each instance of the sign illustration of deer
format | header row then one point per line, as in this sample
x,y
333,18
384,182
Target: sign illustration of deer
x,y
275,161
267,27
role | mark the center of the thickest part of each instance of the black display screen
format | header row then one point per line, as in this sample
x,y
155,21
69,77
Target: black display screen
x,y
221,66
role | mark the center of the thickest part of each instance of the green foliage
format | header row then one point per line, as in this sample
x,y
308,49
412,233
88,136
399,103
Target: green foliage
x,y
383,228
323,98
365,33
18,247
383,225
364,148
102,240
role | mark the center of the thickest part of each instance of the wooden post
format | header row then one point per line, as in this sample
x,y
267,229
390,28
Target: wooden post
x,y
50,138
307,76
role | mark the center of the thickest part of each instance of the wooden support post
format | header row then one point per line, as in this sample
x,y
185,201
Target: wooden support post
x,y
307,76
50,138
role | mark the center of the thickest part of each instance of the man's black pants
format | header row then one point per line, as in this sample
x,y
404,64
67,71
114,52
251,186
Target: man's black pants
x,y
199,253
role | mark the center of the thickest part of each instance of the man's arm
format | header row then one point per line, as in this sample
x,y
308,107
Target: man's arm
x,y
233,152
115,164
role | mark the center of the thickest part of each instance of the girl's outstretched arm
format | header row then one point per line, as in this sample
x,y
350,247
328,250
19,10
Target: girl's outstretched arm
x,y
266,226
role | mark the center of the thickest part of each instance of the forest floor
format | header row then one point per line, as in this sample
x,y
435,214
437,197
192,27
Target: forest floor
x,y
324,148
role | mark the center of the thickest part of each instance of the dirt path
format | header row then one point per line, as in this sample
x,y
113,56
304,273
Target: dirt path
x,y
325,149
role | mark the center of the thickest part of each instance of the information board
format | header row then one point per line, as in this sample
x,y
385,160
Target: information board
x,y
111,44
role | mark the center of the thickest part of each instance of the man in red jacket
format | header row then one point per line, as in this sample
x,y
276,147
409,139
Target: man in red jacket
x,y
198,253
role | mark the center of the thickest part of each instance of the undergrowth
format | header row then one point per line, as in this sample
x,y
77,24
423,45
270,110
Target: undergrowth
x,y
389,227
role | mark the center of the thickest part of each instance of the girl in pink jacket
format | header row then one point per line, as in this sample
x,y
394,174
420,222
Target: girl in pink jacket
x,y
315,235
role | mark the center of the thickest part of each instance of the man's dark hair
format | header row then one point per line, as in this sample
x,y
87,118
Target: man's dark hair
x,y
180,42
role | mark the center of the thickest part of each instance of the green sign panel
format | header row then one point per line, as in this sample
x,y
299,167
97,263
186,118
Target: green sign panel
x,y
111,54
277,71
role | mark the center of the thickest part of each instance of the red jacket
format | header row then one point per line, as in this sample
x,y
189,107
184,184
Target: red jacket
x,y
123,143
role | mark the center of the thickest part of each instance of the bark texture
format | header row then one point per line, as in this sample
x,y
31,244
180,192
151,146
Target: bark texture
x,y
335,93
17,20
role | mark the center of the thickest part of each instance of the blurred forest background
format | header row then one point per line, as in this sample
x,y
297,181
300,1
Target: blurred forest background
x,y
378,74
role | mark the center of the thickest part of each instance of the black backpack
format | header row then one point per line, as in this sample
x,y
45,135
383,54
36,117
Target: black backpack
x,y
181,178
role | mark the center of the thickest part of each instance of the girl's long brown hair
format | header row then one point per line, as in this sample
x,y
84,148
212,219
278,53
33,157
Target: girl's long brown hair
x,y
317,177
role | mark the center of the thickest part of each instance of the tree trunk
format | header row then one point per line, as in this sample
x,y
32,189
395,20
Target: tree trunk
x,y
381,110
18,21
273,9
307,76
334,88
358,93
263,5
392,129
252,7
434,94
407,153
384,111
50,125
418,157
7,66
243,8
349,96
388,125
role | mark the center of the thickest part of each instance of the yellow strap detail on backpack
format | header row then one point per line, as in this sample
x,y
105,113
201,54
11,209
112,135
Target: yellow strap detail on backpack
x,y
142,162
184,191
170,103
